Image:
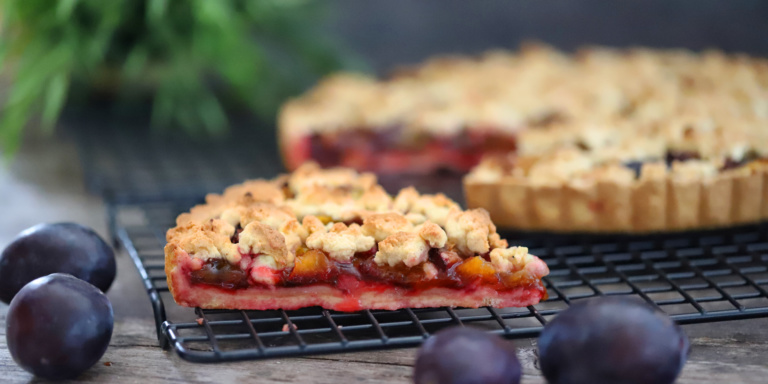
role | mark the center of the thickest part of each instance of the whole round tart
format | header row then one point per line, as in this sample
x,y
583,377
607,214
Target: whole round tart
x,y
670,141
603,140
661,179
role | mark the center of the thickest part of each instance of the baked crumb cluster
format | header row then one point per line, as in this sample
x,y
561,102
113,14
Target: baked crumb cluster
x,y
540,86
341,213
573,154
628,179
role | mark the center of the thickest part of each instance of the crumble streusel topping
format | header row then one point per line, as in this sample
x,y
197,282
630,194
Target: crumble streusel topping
x,y
509,91
625,156
341,213
573,116
341,242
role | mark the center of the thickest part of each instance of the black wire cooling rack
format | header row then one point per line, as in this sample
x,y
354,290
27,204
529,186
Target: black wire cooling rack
x,y
126,163
694,277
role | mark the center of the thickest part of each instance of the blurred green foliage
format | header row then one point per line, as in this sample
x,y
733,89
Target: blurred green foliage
x,y
192,57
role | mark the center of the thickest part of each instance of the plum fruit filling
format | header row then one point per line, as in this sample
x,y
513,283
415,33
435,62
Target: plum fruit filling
x,y
684,156
390,151
315,267
220,273
236,237
748,158
681,156
508,164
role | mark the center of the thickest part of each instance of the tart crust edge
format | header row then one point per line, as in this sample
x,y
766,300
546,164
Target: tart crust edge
x,y
645,206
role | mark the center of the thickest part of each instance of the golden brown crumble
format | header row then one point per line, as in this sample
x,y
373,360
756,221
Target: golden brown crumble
x,y
401,230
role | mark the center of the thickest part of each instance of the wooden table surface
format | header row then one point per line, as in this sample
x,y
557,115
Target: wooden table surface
x,y
726,352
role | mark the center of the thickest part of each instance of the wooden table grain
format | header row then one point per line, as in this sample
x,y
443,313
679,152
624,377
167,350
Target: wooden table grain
x,y
726,352
729,352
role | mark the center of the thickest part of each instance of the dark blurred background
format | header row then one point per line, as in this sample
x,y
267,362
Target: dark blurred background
x,y
126,153
72,154
390,33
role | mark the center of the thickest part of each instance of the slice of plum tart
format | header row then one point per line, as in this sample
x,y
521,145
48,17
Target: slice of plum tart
x,y
334,238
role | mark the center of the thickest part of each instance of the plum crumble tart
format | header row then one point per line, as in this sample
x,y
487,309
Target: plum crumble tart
x,y
605,140
450,111
334,238
636,184
445,114
686,147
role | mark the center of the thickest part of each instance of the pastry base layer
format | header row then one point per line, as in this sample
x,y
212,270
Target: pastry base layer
x,y
356,295
657,205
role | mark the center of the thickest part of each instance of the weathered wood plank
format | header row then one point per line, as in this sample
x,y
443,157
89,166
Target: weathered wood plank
x,y
139,364
731,352
135,359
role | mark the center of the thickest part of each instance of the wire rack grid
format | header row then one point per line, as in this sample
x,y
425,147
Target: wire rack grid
x,y
131,166
693,277
128,163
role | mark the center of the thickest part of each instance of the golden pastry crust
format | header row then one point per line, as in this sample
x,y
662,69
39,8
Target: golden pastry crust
x,y
310,175
432,234
511,91
472,231
341,242
577,120
682,174
382,225
611,198
310,213
402,247
673,141
409,246
335,239
249,193
261,239
208,239
433,207
505,259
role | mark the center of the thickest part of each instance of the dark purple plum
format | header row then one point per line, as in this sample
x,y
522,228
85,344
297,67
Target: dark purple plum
x,y
50,248
461,355
58,326
611,340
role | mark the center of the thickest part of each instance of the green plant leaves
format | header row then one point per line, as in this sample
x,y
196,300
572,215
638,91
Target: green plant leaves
x,y
12,125
54,100
156,11
64,9
196,57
